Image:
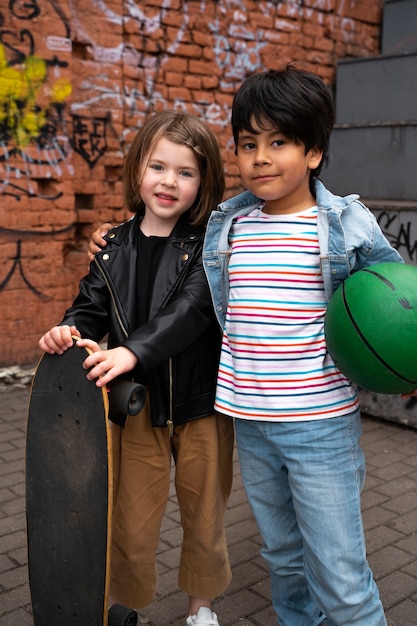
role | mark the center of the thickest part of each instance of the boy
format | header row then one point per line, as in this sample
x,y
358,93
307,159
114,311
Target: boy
x,y
273,257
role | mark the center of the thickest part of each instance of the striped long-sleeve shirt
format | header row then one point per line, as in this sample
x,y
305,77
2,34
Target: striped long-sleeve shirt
x,y
274,364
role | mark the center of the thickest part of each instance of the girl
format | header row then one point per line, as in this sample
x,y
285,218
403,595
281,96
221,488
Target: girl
x,y
148,291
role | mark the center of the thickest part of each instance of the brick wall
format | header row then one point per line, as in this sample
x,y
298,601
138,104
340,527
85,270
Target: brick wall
x,y
77,77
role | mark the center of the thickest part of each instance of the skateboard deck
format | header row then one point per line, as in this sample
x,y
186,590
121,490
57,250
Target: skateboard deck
x,y
69,496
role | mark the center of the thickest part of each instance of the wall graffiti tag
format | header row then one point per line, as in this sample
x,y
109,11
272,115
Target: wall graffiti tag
x,y
35,86
22,116
24,10
400,228
17,263
33,97
89,138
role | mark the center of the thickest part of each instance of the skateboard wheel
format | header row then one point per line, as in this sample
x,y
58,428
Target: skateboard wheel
x,y
126,397
120,615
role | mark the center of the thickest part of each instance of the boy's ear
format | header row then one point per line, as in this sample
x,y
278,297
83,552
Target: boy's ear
x,y
315,157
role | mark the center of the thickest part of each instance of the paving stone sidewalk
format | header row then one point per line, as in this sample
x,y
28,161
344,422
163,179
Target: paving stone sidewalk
x,y
390,516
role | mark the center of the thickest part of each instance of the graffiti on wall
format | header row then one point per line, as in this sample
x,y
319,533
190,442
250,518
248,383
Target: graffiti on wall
x,y
89,138
400,228
33,95
34,89
32,100
16,264
235,43
22,115
44,121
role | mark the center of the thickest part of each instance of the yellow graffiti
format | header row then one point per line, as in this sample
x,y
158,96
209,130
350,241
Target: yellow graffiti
x,y
60,90
25,98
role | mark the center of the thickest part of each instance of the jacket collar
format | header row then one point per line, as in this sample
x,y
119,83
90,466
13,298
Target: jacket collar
x,y
324,198
327,200
183,231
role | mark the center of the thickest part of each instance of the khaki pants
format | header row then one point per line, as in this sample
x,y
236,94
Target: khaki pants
x,y
202,451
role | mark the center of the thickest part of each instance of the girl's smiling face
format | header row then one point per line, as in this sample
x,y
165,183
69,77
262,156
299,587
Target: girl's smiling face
x,y
169,186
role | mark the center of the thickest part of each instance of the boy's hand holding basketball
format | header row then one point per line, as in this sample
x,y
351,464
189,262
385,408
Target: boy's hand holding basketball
x,y
406,396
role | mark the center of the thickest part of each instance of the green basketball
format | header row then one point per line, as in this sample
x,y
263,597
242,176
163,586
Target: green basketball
x,y
371,328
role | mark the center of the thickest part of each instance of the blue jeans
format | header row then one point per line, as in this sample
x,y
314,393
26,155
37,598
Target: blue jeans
x,y
303,481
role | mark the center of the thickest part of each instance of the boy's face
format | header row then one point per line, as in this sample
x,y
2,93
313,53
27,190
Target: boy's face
x,y
276,169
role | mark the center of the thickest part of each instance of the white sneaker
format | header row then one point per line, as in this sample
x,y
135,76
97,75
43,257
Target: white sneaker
x,y
204,617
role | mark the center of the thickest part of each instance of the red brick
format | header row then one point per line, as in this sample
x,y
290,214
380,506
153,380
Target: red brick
x,y
210,82
174,79
179,93
205,97
200,37
206,68
176,64
194,82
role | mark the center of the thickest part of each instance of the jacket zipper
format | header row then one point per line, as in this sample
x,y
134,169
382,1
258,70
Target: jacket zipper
x,y
113,299
170,422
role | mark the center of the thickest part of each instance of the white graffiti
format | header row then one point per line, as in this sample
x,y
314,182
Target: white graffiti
x,y
237,46
20,170
146,38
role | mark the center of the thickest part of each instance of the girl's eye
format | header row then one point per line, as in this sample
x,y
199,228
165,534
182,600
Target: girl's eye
x,y
155,166
186,173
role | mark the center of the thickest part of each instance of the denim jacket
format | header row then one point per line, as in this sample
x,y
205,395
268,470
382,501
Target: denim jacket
x,y
349,239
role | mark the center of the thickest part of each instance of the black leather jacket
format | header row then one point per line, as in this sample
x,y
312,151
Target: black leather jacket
x,y
178,348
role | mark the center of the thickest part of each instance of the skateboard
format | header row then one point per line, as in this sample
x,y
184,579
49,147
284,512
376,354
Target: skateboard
x,y
69,492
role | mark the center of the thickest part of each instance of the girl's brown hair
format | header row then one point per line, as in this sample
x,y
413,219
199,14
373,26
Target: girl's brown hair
x,y
183,129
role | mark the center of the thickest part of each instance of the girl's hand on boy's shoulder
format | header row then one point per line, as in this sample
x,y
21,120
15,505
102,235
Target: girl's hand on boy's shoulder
x,y
105,365
97,242
58,339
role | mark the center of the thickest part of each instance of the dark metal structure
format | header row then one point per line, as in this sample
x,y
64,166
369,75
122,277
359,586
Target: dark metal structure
x,y
374,144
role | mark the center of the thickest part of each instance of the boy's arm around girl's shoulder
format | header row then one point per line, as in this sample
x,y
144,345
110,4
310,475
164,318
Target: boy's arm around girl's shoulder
x,y
98,238
97,241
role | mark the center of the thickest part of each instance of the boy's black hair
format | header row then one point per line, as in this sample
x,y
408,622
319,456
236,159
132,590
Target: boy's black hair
x,y
294,101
